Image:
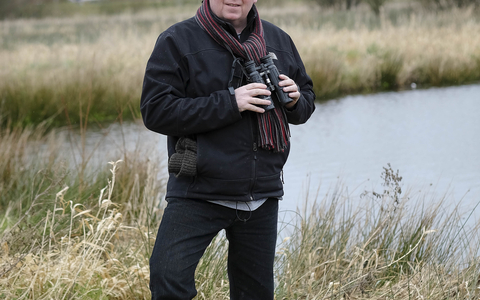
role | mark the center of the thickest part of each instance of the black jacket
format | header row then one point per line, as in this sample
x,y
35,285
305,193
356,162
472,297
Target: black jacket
x,y
185,93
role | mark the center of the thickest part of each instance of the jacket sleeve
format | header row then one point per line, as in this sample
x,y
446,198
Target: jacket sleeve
x,y
305,105
165,106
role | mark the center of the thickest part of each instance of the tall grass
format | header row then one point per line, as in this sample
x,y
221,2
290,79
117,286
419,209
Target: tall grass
x,y
59,241
64,8
34,163
50,69
420,47
43,195
387,246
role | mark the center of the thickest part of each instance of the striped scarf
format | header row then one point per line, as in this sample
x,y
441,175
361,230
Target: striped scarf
x,y
274,133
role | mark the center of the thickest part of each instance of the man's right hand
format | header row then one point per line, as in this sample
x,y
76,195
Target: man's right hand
x,y
247,97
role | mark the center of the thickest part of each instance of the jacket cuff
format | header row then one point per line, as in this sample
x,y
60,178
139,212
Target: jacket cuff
x,y
293,110
233,100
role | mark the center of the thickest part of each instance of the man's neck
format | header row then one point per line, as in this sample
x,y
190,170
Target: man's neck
x,y
240,27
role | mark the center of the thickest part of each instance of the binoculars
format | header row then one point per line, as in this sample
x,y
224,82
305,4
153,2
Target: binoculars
x,y
267,73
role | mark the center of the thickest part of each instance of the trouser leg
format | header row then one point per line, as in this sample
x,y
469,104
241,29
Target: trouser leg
x,y
186,229
251,253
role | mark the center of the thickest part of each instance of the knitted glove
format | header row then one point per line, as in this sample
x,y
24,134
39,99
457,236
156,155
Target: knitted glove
x,y
184,161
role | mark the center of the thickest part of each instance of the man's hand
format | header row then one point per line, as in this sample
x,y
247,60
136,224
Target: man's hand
x,y
290,87
247,97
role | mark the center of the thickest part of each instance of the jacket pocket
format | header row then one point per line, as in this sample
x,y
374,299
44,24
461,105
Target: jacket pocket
x,y
224,154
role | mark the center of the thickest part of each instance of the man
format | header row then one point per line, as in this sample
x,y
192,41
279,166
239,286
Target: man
x,y
226,145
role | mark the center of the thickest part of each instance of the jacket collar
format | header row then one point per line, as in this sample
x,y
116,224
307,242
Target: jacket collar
x,y
229,27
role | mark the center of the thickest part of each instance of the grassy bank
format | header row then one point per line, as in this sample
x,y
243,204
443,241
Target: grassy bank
x,y
70,233
423,50
44,8
44,197
50,69
15,9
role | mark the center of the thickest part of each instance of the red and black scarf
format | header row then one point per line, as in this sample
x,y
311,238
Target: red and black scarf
x,y
274,133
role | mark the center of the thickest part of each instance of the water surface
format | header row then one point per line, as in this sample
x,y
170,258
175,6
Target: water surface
x,y
431,136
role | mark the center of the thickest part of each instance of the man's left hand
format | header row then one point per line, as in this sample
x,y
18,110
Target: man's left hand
x,y
290,87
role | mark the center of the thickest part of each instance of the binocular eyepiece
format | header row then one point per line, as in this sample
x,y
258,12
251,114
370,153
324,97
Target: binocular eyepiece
x,y
267,73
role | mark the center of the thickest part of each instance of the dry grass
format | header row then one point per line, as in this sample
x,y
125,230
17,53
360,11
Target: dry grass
x,y
50,69
53,68
63,236
416,50
385,245
92,255
380,251
95,244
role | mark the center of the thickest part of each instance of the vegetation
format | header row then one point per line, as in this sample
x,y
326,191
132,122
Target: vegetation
x,y
61,8
91,239
53,68
12,9
447,4
73,228
57,8
376,5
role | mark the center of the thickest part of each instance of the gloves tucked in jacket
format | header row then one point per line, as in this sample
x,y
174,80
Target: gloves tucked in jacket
x,y
184,161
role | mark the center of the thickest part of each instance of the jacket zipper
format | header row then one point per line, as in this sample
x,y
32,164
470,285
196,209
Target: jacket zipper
x,y
254,161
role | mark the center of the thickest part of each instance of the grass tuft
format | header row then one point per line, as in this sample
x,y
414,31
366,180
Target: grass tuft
x,y
62,237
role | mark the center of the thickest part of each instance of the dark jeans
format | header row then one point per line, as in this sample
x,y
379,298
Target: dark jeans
x,y
188,227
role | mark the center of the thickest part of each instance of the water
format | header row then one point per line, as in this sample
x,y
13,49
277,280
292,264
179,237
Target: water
x,y
431,136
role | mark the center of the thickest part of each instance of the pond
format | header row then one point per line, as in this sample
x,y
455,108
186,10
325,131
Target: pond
x,y
431,136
